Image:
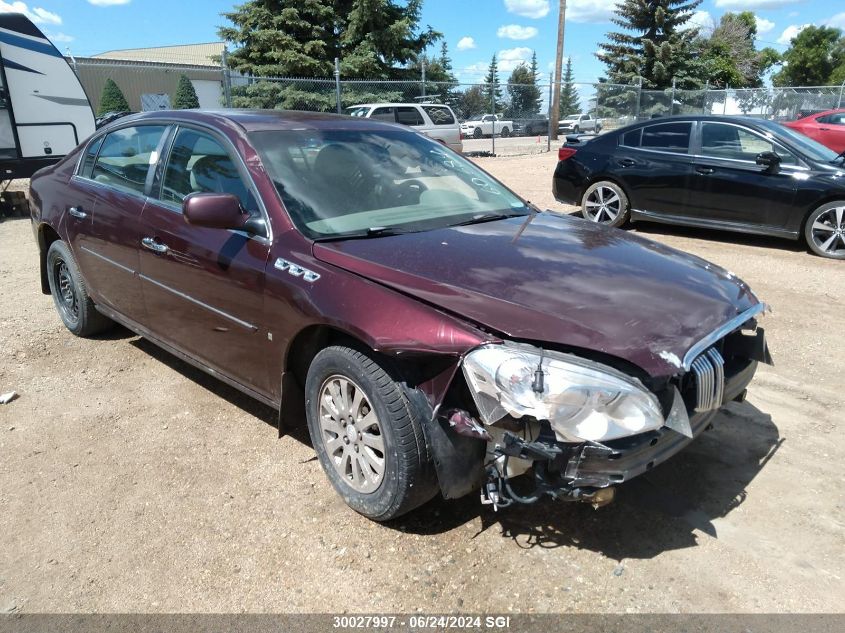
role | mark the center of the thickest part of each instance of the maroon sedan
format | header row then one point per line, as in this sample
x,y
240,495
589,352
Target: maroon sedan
x,y
828,128
438,332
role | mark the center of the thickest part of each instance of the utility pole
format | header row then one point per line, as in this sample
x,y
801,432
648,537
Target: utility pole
x,y
555,87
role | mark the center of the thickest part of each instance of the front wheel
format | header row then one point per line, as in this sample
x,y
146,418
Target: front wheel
x,y
70,295
825,230
604,202
505,132
476,133
368,434
576,130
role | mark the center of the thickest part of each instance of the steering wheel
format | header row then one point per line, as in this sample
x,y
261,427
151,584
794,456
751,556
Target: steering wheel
x,y
410,190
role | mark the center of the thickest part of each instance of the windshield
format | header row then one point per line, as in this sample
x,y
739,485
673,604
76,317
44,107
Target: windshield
x,y
810,148
344,183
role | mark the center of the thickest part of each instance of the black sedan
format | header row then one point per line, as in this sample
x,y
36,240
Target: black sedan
x,y
732,173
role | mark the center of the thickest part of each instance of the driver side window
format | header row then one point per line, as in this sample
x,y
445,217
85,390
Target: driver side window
x,y
720,140
198,163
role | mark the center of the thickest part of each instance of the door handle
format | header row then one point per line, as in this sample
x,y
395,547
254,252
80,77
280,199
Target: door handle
x,y
705,170
77,212
153,245
627,162
824,129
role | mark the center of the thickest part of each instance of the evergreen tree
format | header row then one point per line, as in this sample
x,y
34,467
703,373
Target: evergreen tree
x,y
282,38
492,89
524,93
186,97
535,73
374,39
447,90
112,99
654,46
570,103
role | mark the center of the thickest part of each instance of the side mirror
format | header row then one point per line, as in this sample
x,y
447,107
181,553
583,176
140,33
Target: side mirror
x,y
769,160
219,211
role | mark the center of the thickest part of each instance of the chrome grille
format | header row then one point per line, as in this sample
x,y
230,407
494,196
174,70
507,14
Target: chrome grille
x,y
709,370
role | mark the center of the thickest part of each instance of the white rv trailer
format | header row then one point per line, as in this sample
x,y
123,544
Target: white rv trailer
x,y
44,111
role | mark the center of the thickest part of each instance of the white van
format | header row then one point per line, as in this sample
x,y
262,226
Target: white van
x,y
432,119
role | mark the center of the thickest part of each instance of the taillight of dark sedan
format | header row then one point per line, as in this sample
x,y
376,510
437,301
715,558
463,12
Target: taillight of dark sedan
x,y
439,334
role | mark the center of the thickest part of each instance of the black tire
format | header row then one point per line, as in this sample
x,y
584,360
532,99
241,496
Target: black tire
x,y
408,479
604,202
824,230
576,130
74,305
477,133
505,132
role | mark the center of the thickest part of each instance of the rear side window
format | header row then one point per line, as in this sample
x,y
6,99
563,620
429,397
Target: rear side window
x,y
90,155
439,115
833,119
408,115
667,137
199,163
632,138
125,157
384,114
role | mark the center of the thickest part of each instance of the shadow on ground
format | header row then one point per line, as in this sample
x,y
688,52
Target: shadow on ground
x,y
652,514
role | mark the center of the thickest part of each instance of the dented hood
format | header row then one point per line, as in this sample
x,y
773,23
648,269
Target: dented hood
x,y
558,279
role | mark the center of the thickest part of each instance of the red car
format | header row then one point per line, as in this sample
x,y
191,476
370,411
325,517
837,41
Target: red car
x,y
438,333
828,128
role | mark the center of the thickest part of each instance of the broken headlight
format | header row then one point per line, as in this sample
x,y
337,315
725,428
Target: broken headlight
x,y
582,400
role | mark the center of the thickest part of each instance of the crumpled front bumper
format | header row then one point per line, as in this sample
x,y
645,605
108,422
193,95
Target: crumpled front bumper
x,y
595,465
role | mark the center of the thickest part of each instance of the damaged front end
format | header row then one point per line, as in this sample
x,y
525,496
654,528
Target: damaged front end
x,y
580,427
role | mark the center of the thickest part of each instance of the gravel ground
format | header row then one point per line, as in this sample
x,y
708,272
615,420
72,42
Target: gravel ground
x,y
130,482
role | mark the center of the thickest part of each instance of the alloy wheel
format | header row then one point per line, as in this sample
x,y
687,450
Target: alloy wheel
x,y
352,434
828,231
603,205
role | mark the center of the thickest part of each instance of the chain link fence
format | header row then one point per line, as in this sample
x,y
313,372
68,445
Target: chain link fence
x,y
522,109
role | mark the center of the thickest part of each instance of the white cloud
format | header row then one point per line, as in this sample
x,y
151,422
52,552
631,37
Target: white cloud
x,y
107,3
510,58
59,37
466,43
791,31
754,4
528,8
764,25
516,32
590,10
837,21
36,14
701,20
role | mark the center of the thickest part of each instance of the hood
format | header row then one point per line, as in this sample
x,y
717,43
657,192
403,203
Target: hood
x,y
558,279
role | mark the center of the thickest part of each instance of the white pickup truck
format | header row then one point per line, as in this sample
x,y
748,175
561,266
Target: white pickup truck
x,y
486,125
578,123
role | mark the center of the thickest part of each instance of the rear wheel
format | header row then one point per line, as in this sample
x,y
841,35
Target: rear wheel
x,y
70,295
505,132
825,230
604,202
368,434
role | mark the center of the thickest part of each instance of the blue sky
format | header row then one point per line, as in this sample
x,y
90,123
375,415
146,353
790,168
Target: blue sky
x,y
473,29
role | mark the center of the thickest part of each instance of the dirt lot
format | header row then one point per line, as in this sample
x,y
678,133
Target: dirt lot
x,y
132,482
